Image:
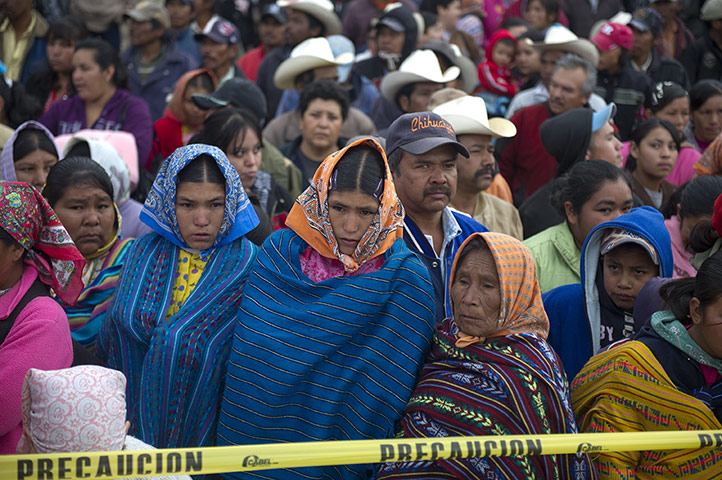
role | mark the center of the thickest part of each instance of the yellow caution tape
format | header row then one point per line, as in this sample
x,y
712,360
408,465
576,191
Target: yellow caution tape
x,y
195,461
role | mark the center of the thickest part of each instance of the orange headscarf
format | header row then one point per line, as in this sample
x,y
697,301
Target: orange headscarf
x,y
310,220
174,109
521,309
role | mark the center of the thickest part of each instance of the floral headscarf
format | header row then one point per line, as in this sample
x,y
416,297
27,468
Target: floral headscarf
x,y
521,309
29,219
309,216
175,106
158,213
79,409
7,164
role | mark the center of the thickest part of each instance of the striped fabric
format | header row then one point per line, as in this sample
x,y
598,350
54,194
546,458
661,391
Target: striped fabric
x,y
625,389
88,313
508,385
334,360
175,365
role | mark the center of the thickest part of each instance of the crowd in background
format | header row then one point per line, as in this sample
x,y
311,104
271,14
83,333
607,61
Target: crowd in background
x,y
232,222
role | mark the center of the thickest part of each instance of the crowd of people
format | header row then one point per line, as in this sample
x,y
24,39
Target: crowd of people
x,y
237,223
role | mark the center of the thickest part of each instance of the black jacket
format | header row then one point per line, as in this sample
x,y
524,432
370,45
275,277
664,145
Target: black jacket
x,y
664,69
703,60
628,89
264,80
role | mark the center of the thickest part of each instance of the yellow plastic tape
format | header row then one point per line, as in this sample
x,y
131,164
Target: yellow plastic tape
x,y
195,461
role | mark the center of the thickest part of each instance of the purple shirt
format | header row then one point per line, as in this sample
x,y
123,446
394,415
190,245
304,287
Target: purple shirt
x,y
123,111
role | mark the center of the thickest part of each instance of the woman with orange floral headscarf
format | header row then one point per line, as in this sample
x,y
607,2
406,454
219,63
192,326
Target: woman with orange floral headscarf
x,y
181,118
336,318
490,370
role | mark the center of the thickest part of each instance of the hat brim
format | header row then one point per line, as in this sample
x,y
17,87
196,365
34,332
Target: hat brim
x,y
329,19
424,145
137,16
394,81
206,101
466,125
603,116
469,73
286,73
581,47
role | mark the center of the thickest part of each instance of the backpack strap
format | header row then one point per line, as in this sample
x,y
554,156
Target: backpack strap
x,y
37,289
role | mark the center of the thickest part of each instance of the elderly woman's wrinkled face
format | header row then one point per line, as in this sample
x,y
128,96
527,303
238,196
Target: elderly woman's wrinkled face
x,y
475,294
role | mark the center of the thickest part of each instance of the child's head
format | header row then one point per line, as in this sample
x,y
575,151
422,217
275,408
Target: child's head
x,y
628,262
503,52
697,204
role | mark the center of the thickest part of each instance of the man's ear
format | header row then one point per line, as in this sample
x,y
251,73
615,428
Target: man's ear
x,y
404,103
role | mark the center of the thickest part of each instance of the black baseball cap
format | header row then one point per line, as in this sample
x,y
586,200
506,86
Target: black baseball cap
x,y
418,133
274,11
236,92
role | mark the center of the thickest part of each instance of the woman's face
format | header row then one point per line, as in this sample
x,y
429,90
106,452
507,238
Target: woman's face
x,y
321,124
537,17
60,55
11,264
89,80
475,294
244,153
194,115
449,16
706,327
675,112
528,60
88,215
656,154
707,119
350,214
199,209
614,198
34,168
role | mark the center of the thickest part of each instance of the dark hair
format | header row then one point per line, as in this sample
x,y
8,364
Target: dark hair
x,y
30,140
80,148
106,56
360,169
202,80
325,90
223,126
405,91
429,20
703,91
304,78
432,5
73,171
70,29
19,105
6,239
476,244
532,34
664,93
201,169
669,208
314,22
706,287
581,182
394,158
549,6
506,41
642,130
512,22
699,196
703,236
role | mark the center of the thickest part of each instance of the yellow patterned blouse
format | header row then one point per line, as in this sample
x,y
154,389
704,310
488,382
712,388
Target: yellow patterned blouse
x,y
190,269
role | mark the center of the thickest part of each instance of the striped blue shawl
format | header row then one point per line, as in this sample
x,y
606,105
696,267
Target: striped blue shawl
x,y
334,360
175,366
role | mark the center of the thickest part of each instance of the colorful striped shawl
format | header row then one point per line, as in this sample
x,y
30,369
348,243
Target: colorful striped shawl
x,y
88,313
334,360
508,385
175,366
625,389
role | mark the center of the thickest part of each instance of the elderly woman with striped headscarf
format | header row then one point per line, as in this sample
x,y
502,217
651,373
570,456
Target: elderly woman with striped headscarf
x,y
490,370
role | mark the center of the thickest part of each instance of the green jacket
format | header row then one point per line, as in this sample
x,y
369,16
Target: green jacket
x,y
283,171
556,256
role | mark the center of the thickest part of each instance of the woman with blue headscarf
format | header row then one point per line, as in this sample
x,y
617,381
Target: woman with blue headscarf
x,y
170,326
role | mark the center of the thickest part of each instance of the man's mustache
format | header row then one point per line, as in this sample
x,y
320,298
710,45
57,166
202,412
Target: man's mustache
x,y
488,170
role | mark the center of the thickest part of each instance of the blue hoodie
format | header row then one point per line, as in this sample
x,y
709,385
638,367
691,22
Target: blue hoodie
x,y
574,310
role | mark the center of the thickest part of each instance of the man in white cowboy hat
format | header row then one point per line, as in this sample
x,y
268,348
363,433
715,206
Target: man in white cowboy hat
x,y
422,153
306,19
407,90
558,42
523,162
467,115
312,60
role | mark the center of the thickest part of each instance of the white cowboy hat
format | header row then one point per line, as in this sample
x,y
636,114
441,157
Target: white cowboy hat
x,y
467,115
307,55
561,38
420,66
322,10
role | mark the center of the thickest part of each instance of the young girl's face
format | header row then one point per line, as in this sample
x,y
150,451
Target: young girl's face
x,y
502,55
656,154
350,214
537,17
528,60
676,112
706,326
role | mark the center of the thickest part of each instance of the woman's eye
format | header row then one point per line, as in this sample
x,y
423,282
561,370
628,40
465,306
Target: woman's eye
x,y
367,212
217,205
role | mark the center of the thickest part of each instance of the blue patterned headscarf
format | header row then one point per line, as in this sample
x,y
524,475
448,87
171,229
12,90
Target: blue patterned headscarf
x,y
159,213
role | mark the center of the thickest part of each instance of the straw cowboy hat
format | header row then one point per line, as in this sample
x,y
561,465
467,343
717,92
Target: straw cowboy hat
x,y
467,115
561,38
322,10
420,66
307,55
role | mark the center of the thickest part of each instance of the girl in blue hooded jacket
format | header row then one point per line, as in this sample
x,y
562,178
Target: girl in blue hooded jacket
x,y
618,257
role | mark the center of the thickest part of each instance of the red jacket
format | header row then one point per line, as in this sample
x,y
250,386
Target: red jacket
x,y
250,62
493,78
167,136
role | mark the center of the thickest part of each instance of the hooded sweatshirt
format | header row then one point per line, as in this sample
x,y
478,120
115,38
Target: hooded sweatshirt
x,y
579,312
7,164
495,78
